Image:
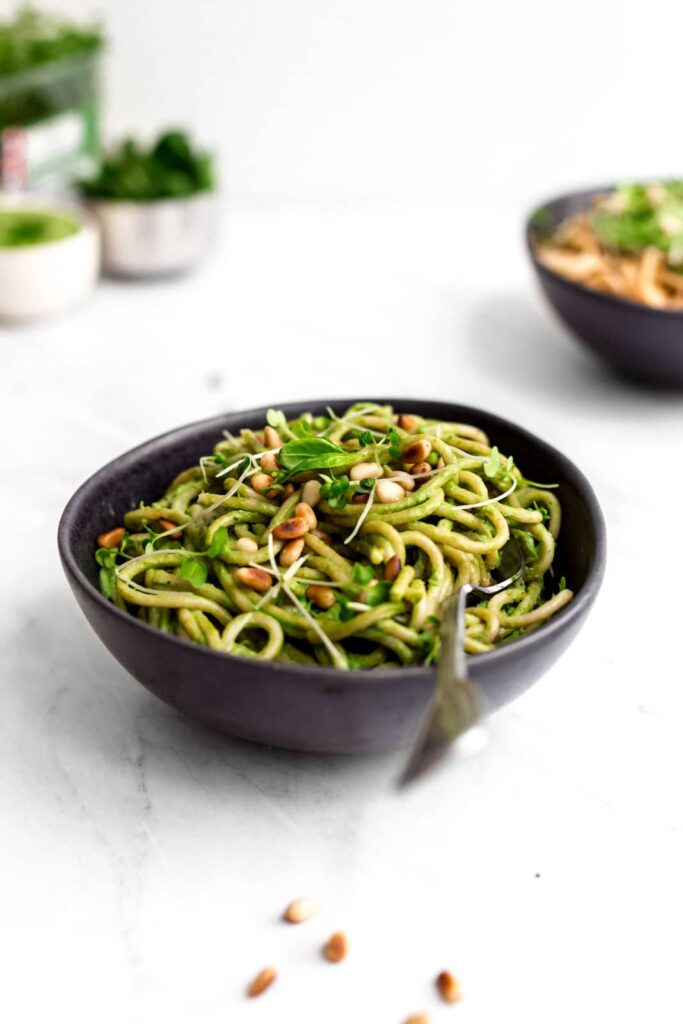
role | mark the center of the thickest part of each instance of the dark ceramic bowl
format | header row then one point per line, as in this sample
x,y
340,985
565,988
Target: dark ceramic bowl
x,y
641,341
299,706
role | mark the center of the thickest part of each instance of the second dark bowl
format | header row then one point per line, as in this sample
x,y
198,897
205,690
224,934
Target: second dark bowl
x,y
641,341
306,707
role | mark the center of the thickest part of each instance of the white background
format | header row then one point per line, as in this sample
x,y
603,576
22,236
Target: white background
x,y
332,100
378,158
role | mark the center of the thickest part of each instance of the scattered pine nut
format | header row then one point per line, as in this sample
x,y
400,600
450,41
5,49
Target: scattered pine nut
x,y
246,544
448,987
323,597
392,568
417,1018
336,948
269,462
255,579
291,551
420,469
261,482
365,470
297,526
271,438
112,538
310,492
406,481
287,491
262,981
304,510
359,499
168,525
300,910
406,421
387,492
417,451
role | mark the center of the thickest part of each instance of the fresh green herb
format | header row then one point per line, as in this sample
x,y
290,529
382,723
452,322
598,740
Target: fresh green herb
x,y
366,438
106,557
493,463
367,484
171,168
306,454
194,571
334,490
32,38
563,583
345,613
301,428
538,506
220,539
276,419
637,217
394,439
377,593
362,574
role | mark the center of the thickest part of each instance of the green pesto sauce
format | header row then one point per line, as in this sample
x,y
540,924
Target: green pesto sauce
x,y
34,227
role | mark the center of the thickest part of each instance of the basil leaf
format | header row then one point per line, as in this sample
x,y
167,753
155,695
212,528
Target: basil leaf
x,y
220,539
366,438
194,571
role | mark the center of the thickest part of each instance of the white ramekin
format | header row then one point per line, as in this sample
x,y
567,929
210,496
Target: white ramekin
x,y
47,278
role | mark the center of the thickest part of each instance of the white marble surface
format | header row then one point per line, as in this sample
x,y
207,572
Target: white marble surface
x,y
144,861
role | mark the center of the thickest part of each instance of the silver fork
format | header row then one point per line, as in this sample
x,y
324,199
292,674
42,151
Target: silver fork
x,y
456,704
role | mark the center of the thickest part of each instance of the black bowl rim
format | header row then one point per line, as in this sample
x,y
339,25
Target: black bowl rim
x,y
574,610
611,300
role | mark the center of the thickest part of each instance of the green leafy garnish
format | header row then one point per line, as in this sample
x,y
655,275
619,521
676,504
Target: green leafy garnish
x,y
220,539
394,439
378,593
106,557
366,438
194,571
638,216
345,614
334,490
563,583
305,454
493,463
538,506
171,168
362,574
276,419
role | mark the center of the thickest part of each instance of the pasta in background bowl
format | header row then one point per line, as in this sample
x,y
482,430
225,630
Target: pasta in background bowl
x,y
295,700
610,261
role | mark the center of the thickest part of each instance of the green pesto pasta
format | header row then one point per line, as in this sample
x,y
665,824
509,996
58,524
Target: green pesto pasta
x,y
335,540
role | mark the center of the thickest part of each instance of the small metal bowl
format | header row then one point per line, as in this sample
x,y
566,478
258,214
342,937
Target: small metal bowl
x,y
155,238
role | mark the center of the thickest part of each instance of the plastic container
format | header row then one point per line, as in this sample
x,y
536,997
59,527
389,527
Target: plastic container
x,y
49,125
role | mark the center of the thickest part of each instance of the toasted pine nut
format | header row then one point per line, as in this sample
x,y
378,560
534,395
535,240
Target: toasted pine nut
x,y
404,479
336,948
365,470
322,535
392,568
271,438
262,981
112,538
291,551
300,910
417,1018
297,526
448,987
260,438
255,579
287,491
323,597
417,451
269,462
420,469
260,482
168,526
406,421
304,510
441,463
246,544
387,492
311,492
360,498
